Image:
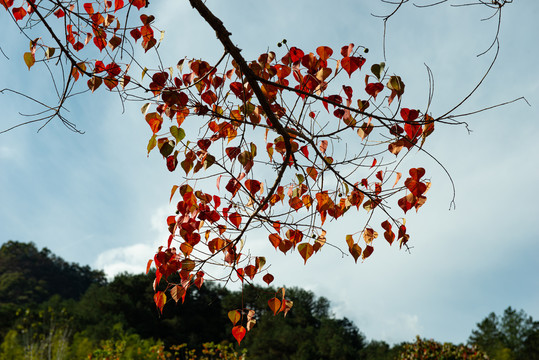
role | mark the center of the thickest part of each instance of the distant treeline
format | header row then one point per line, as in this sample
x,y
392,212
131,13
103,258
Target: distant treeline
x,y
52,309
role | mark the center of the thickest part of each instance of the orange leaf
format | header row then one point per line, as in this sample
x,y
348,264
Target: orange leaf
x,y
398,178
323,146
250,270
172,191
305,250
234,316
275,305
369,235
324,52
239,333
154,120
148,266
275,240
160,298
311,171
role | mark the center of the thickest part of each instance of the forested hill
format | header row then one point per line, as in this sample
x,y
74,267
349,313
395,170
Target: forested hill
x,y
50,308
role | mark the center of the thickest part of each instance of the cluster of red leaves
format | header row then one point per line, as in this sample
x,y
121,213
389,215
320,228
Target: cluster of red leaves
x,y
310,73
212,223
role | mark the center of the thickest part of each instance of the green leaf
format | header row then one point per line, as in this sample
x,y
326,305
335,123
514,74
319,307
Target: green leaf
x,y
152,143
378,69
253,150
167,148
178,133
49,52
209,161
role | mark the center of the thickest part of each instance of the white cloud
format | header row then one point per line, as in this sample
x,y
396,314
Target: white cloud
x,y
133,258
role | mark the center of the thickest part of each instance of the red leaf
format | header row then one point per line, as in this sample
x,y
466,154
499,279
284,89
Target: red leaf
x,y
275,240
7,3
89,8
172,162
135,33
348,91
209,97
305,151
100,43
374,89
235,219
138,3
352,63
367,252
417,173
347,50
59,13
19,13
239,333
268,278
250,270
406,202
233,186
409,115
389,235
296,54
232,152
324,52
118,4
253,186
160,299
113,69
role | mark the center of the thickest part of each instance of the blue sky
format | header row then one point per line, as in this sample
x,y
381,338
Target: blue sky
x,y
97,199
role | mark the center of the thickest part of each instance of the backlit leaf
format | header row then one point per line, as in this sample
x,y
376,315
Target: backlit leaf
x,y
367,252
268,278
29,59
274,305
235,219
234,316
305,250
355,250
154,120
178,133
160,298
239,333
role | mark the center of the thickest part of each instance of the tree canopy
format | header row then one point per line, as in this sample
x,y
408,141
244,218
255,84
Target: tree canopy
x,y
276,146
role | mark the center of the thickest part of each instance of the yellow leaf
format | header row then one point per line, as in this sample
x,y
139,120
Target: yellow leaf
x,y
29,59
